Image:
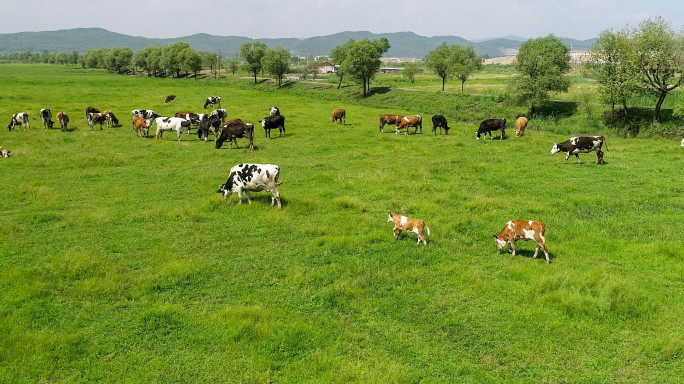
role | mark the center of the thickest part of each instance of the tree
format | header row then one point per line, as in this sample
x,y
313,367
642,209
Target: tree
x,y
363,60
118,59
464,62
233,65
277,62
410,71
209,60
172,58
660,58
252,53
539,69
337,56
439,60
191,60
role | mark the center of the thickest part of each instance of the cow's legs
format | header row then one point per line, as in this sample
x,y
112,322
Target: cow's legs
x,y
578,160
599,157
513,247
249,197
397,232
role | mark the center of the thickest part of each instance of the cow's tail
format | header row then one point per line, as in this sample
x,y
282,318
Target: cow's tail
x,y
428,229
277,184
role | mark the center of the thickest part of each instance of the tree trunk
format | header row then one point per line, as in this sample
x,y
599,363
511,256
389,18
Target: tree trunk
x,y
656,114
443,81
340,84
462,83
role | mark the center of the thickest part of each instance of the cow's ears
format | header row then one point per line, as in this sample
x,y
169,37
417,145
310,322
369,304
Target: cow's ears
x,y
495,237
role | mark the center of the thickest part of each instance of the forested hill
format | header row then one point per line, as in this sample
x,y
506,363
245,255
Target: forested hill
x,y
404,44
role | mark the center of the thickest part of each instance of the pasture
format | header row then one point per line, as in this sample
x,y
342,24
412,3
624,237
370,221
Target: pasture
x,y
120,263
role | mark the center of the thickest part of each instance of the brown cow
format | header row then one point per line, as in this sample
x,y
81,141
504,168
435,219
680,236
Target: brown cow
x,y
408,122
403,223
389,119
111,119
170,98
339,114
142,126
520,125
525,230
183,114
63,119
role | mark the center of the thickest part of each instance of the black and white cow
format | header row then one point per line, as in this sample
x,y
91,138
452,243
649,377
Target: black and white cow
x,y
582,144
196,118
96,118
490,125
252,178
21,119
439,121
211,101
272,122
177,124
219,113
275,111
46,116
144,113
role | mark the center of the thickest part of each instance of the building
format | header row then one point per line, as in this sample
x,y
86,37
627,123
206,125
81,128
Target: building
x,y
326,67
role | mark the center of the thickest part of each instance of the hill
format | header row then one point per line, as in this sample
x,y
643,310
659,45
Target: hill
x,y
404,44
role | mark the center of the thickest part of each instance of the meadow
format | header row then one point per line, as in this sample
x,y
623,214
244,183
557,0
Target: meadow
x,y
120,264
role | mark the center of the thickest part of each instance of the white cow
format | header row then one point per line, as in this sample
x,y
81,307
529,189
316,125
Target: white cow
x,y
177,124
21,119
252,178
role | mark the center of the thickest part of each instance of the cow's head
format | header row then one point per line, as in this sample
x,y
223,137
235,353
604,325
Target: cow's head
x,y
4,152
556,148
224,191
390,219
50,123
500,244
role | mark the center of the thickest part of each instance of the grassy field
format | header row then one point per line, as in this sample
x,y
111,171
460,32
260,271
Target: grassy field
x,y
119,262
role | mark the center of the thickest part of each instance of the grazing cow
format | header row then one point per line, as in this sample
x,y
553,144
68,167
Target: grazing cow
x,y
111,119
46,116
210,125
582,144
142,126
525,230
439,121
211,101
219,113
275,111
91,110
490,125
408,122
233,131
339,114
4,152
520,126
252,178
196,118
171,124
95,118
271,122
63,119
403,223
389,119
170,98
21,119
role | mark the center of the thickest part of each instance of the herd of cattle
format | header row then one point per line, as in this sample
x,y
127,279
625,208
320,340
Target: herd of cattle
x,y
258,177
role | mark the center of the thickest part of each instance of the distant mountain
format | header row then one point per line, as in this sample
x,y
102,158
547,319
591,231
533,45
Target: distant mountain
x,y
403,44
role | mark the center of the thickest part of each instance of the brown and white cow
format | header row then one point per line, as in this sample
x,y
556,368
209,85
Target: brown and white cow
x,y
389,119
170,98
339,114
63,120
142,126
520,126
525,230
403,223
4,152
112,121
408,122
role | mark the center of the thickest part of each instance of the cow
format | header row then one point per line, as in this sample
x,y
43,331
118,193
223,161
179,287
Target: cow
x,y
489,125
219,113
271,122
525,230
196,118
233,131
144,113
389,119
95,118
211,101
171,124
21,119
4,152
112,121
182,114
46,117
439,121
582,144
410,121
252,178
170,98
63,119
520,126
91,110
142,126
274,111
339,114
403,223
210,125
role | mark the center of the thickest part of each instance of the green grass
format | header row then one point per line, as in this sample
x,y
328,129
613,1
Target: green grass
x,y
120,263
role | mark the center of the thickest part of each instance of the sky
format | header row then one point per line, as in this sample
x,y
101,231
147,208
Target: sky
x,y
579,19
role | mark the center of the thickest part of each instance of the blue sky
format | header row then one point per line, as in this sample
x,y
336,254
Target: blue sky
x,y
581,19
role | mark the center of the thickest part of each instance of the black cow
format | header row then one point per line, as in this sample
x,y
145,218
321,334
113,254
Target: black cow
x,y
209,125
582,144
272,122
46,116
490,125
439,121
170,98
231,132
211,101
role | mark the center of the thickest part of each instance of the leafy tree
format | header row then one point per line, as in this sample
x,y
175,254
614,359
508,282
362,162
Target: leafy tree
x,y
153,60
118,59
171,57
209,60
61,58
337,56
660,58
191,60
312,68
410,71
233,65
252,53
439,60
73,58
539,69
464,62
363,60
277,62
